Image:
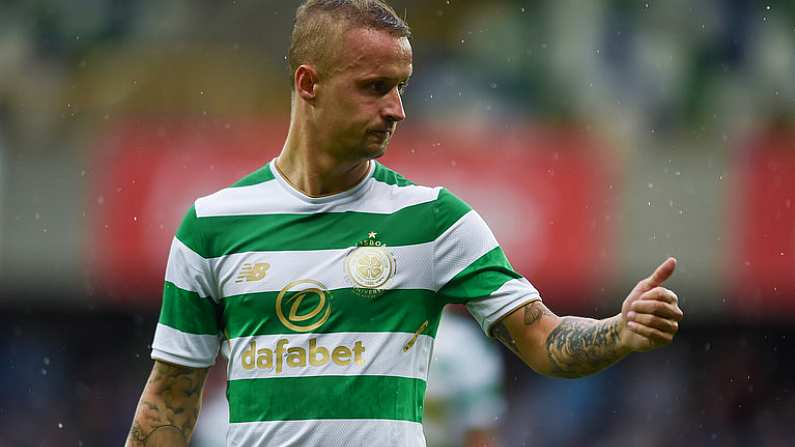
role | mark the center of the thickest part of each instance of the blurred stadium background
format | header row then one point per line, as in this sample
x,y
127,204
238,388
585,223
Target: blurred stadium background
x,y
596,138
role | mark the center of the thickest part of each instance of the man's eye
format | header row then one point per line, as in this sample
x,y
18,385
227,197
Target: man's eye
x,y
379,87
402,87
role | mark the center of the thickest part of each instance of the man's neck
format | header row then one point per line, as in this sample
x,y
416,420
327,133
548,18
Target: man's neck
x,y
316,173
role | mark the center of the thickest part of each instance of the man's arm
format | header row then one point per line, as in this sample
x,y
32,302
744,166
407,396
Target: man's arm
x,y
169,406
575,347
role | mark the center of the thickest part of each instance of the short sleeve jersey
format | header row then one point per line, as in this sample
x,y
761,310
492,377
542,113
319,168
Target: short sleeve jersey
x,y
327,308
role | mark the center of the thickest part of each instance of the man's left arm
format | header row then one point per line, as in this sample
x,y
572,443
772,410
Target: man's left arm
x,y
575,347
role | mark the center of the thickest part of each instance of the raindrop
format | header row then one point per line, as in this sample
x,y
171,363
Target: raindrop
x,y
60,425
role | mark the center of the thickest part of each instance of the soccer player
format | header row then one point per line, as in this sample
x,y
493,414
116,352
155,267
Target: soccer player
x,y
322,275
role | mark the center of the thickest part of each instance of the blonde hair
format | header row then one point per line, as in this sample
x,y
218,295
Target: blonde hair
x,y
320,24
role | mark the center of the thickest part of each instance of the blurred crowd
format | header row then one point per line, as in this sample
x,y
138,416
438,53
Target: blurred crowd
x,y
647,76
632,70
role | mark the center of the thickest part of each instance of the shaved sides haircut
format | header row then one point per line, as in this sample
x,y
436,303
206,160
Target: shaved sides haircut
x,y
320,25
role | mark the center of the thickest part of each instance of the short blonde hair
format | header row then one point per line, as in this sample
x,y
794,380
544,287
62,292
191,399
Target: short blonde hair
x,y
319,24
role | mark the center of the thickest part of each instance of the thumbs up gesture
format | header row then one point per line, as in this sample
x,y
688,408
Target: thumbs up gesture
x,y
651,313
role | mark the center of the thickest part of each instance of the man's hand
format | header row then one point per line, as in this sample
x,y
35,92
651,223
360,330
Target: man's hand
x,y
650,314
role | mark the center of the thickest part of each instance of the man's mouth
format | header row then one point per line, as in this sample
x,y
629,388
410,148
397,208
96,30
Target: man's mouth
x,y
381,133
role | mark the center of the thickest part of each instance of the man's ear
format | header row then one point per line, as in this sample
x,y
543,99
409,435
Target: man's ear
x,y
305,82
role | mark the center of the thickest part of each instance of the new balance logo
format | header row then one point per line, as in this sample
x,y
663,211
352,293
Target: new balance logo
x,y
253,272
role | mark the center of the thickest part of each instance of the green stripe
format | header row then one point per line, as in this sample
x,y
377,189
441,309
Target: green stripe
x,y
290,232
390,177
189,232
326,397
188,312
394,311
487,274
448,209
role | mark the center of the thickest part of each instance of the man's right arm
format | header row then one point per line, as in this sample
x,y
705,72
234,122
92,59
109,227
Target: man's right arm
x,y
169,406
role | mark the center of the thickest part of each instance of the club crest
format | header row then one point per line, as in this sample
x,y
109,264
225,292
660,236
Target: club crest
x,y
370,266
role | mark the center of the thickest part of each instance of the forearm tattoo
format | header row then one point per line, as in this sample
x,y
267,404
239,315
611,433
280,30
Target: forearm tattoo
x,y
169,406
581,346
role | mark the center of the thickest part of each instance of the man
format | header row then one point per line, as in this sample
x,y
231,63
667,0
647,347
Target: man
x,y
322,276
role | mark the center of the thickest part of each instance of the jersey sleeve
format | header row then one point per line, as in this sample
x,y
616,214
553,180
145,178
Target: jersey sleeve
x,y
471,268
188,331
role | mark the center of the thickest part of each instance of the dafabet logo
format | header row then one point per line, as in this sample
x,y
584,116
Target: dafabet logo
x,y
309,290
302,306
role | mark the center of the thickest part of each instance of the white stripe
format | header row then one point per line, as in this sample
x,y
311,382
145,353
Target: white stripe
x,y
509,297
188,270
271,198
413,269
460,245
327,433
382,354
181,348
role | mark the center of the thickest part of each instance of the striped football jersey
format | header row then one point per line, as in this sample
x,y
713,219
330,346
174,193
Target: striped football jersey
x,y
327,308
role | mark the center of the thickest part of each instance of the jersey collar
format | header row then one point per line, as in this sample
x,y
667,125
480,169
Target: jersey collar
x,y
351,194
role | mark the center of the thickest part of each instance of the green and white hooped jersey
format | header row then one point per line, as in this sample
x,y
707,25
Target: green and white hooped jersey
x,y
327,307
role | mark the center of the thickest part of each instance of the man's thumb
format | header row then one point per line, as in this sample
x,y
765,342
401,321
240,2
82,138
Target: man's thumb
x,y
663,272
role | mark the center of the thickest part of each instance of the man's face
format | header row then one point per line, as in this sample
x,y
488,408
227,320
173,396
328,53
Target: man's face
x,y
359,101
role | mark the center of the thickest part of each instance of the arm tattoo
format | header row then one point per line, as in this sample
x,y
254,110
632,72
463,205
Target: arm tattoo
x,y
169,406
502,334
532,313
580,346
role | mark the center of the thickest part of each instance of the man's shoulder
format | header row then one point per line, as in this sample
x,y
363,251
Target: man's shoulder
x,y
239,197
390,176
235,200
440,196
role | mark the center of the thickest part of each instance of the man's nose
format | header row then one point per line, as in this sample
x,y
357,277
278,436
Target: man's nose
x,y
393,109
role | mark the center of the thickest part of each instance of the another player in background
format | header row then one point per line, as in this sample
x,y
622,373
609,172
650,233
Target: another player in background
x,y
464,402
324,274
